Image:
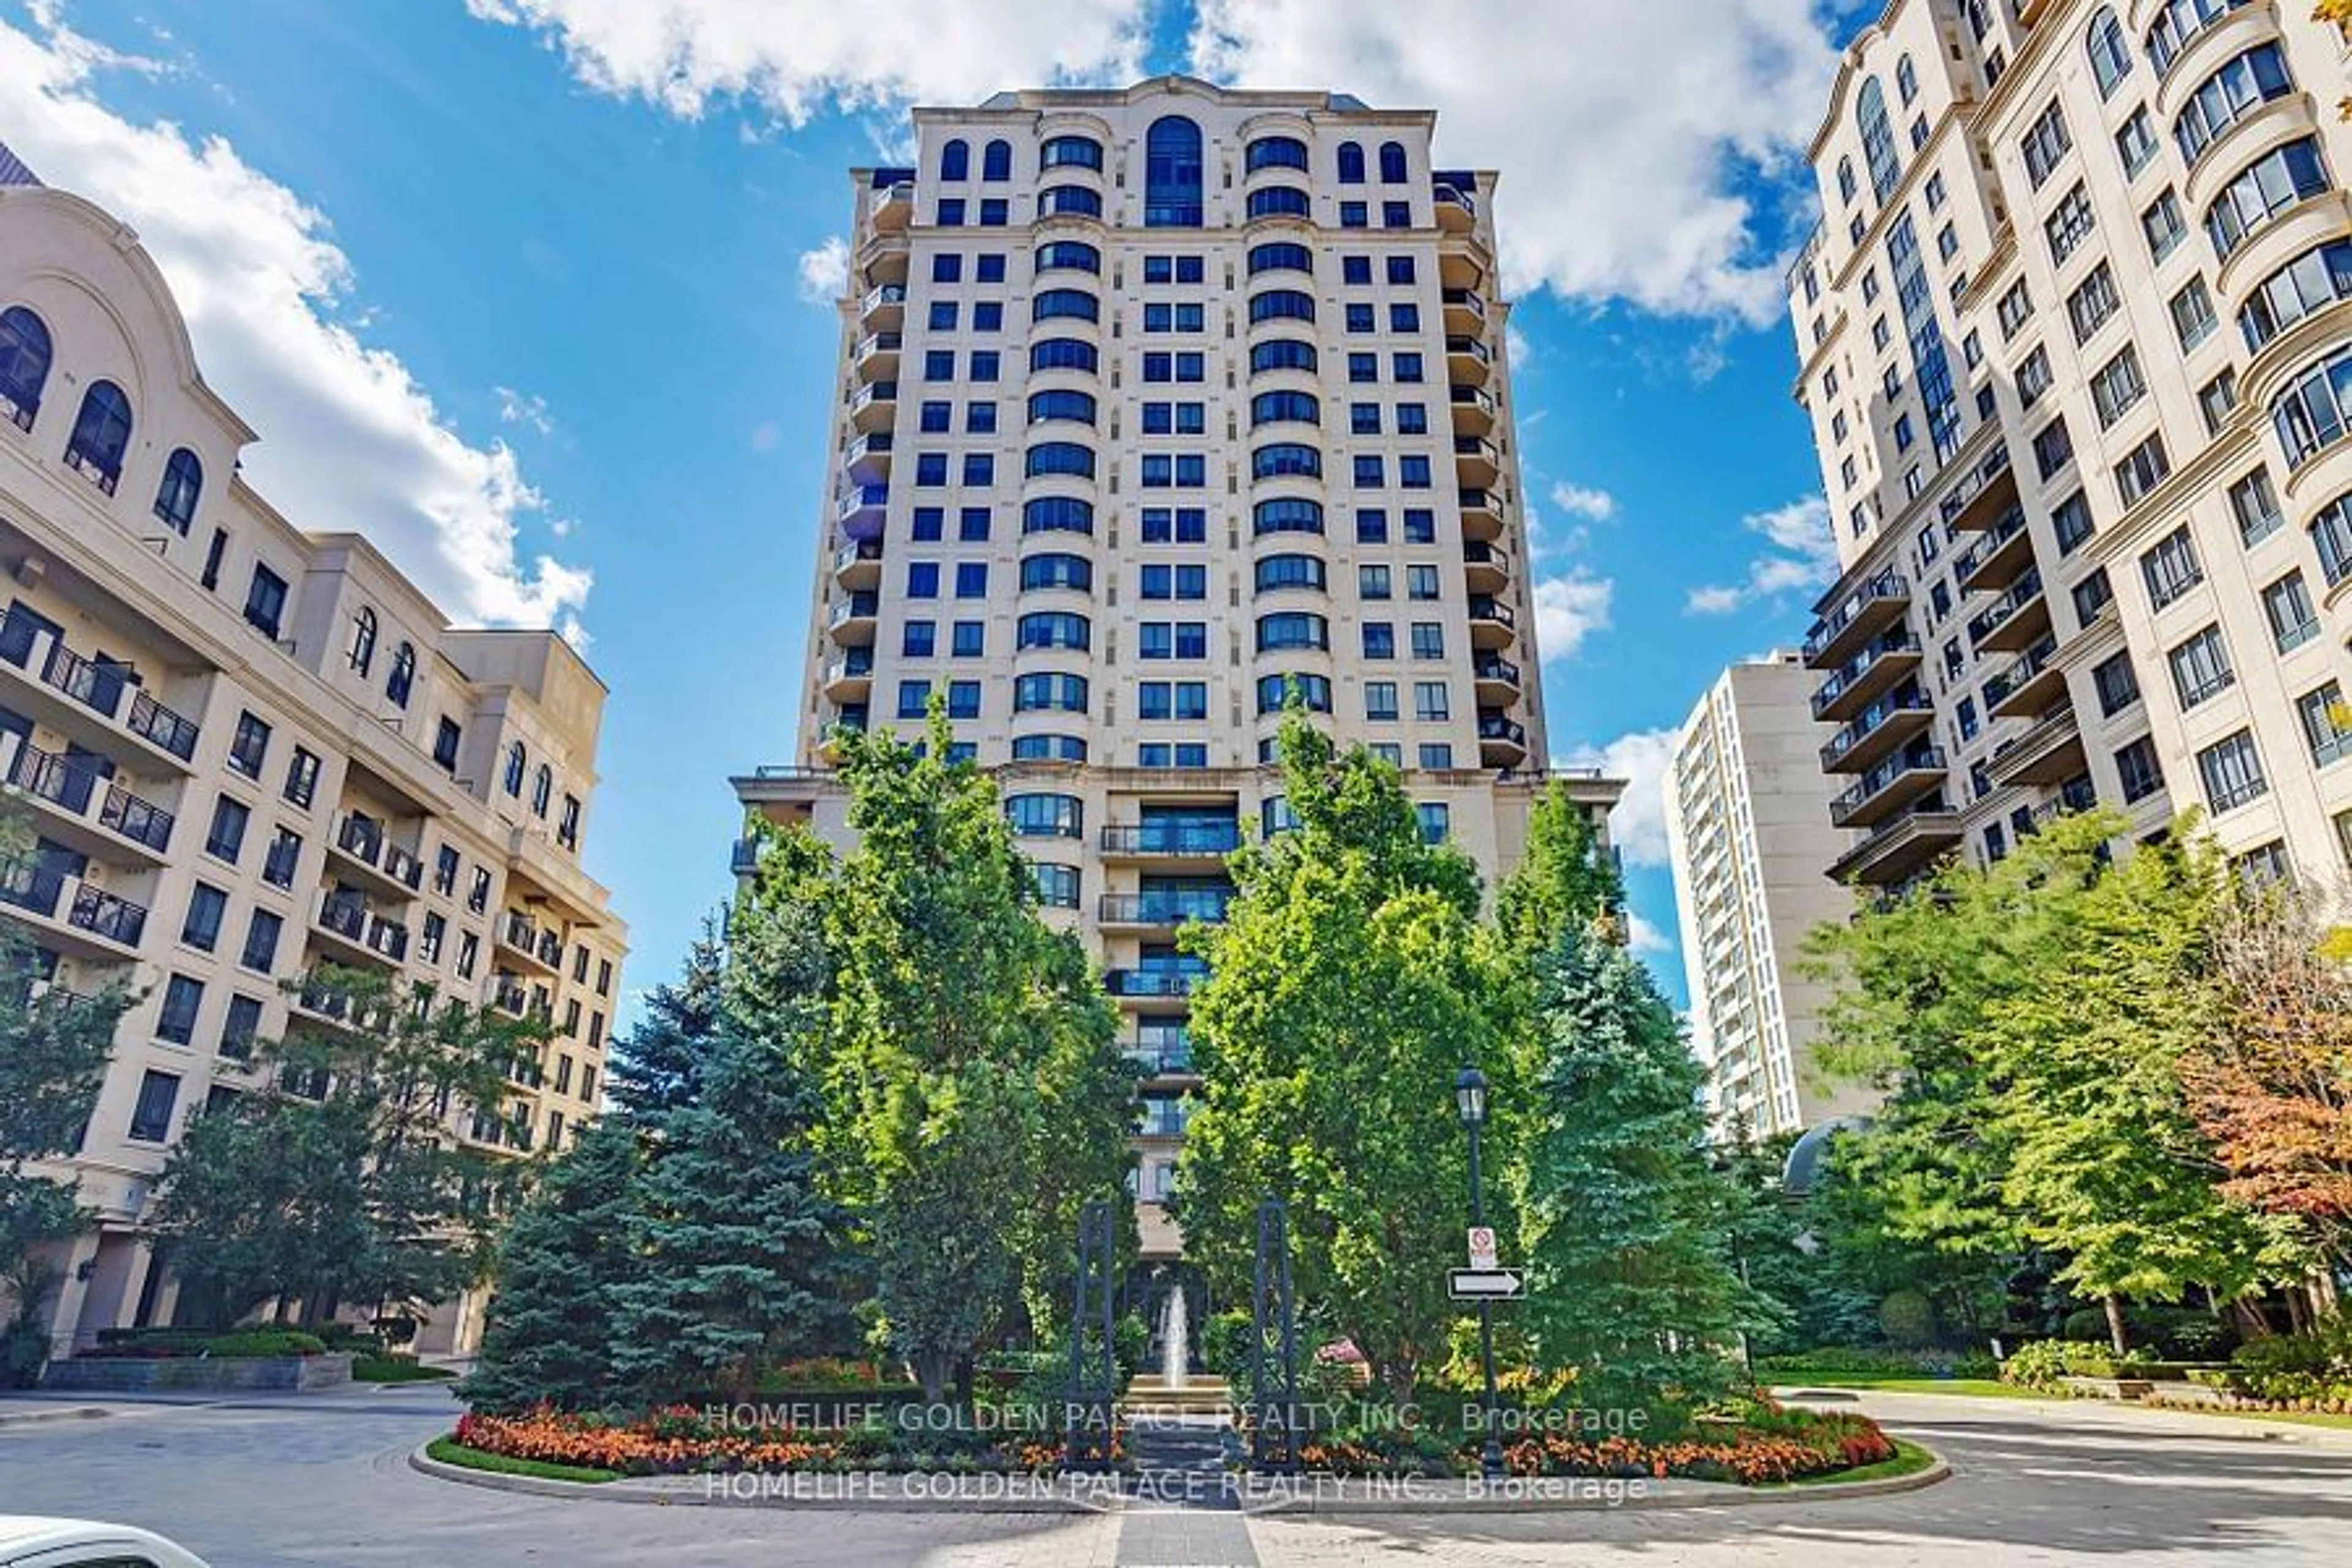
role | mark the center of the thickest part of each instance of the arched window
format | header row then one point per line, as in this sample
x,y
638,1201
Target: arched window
x,y
363,640
23,365
1906,80
1878,140
1351,164
542,790
402,679
996,161
955,160
1393,163
2110,55
1847,187
101,435
175,498
1171,173
517,759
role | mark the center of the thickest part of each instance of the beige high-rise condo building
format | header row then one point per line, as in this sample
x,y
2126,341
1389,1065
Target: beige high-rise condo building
x,y
1749,836
1154,404
2078,358
240,749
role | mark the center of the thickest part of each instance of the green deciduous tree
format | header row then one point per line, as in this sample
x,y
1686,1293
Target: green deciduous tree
x,y
342,1180
562,1261
1348,983
52,1051
972,1087
1626,1227
1565,881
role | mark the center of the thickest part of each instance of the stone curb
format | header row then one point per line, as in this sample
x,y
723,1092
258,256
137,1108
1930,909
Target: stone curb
x,y
69,1413
887,1492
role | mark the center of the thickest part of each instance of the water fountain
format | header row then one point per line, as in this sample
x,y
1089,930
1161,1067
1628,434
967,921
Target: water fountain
x,y
1175,1340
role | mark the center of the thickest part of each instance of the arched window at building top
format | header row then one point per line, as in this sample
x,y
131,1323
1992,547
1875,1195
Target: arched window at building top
x,y
516,760
1171,173
402,679
363,640
1351,164
176,497
955,160
542,790
23,365
1392,171
2110,55
996,160
101,435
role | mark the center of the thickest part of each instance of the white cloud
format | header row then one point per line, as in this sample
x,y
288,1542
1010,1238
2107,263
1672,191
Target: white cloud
x,y
1584,500
824,271
797,60
1623,132
349,439
1517,346
1801,556
1568,608
1638,825
1642,935
515,408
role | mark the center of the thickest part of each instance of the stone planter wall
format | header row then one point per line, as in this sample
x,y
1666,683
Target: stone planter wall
x,y
140,1374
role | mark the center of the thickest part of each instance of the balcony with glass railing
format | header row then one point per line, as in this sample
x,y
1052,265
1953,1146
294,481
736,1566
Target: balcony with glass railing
x,y
1186,839
1894,785
1872,606
1995,560
2029,685
2014,621
1164,907
1883,663
1872,735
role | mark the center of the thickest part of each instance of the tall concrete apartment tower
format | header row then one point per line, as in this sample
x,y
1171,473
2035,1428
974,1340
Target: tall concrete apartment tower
x,y
1748,833
237,750
1150,401
2078,356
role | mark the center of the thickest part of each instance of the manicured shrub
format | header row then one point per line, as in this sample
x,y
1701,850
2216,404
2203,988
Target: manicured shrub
x,y
1857,1360
2045,1363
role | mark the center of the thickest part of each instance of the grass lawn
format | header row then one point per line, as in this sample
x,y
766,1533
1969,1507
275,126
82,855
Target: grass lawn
x,y
1909,1460
1977,1387
449,1451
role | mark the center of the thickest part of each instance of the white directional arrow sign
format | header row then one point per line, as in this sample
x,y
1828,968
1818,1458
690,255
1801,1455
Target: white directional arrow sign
x,y
1484,1284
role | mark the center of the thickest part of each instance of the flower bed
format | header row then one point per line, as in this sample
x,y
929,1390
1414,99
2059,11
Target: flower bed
x,y
684,1441
1771,1445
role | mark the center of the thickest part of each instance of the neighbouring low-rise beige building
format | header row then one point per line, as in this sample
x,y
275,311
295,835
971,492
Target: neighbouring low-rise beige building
x,y
1152,403
1750,840
2077,341
243,750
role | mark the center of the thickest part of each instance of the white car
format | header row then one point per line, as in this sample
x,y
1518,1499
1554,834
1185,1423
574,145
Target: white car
x,y
26,1542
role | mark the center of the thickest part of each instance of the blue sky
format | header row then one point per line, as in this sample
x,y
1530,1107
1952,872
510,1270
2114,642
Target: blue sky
x,y
523,289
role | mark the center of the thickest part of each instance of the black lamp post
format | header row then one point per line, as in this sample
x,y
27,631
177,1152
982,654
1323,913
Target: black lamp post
x,y
1470,1100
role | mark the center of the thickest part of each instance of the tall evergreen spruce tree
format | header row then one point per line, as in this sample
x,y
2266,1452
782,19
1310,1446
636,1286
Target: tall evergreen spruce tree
x,y
571,1248
1624,1222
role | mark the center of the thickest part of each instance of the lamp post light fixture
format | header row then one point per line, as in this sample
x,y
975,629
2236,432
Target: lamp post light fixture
x,y
1470,1103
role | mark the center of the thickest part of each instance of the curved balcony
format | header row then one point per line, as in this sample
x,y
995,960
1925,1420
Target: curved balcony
x,y
850,678
1495,680
854,620
1872,736
1881,665
1482,515
893,208
1502,741
2031,685
1492,623
1872,606
1982,495
1895,853
873,406
867,460
1893,785
858,565
859,511
1457,209
875,356
1465,310
1997,558
1468,360
2014,621
1477,462
1485,568
2274,244
884,308
1474,408
2048,753
2242,142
